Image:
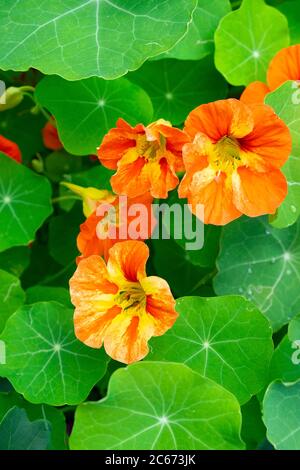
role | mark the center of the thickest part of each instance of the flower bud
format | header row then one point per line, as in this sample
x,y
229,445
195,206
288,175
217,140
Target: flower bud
x,y
11,98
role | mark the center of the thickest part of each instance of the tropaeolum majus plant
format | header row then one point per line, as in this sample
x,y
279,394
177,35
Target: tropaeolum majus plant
x,y
149,225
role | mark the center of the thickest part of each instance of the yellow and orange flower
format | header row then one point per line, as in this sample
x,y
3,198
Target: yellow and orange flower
x,y
50,136
233,163
146,158
114,227
11,149
117,305
283,67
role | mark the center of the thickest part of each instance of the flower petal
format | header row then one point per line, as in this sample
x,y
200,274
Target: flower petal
x,y
270,138
219,119
11,149
127,262
131,179
284,66
255,93
255,193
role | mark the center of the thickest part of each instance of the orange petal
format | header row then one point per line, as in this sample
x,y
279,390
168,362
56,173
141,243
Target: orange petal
x,y
11,149
117,142
162,178
50,137
90,326
216,197
270,139
160,303
256,193
284,66
127,261
255,93
131,179
195,159
218,119
126,339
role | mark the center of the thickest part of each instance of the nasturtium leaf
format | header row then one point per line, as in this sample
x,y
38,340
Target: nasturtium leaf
x,y
24,203
199,40
63,232
172,263
159,405
85,110
292,12
285,364
17,432
253,429
12,296
286,103
60,164
80,39
281,414
46,413
15,260
176,87
24,128
247,39
46,293
261,263
225,339
44,360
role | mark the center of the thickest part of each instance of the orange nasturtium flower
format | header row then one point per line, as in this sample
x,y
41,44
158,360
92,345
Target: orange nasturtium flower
x,y
50,136
146,158
283,67
11,149
232,164
117,305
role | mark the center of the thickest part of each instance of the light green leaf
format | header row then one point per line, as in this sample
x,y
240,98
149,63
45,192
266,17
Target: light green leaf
x,y
176,87
24,203
12,296
80,39
85,110
225,339
159,406
285,364
18,433
247,39
292,12
199,40
281,414
44,294
286,103
48,414
56,367
15,260
263,264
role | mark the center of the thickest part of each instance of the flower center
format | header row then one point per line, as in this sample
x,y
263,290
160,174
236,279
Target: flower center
x,y
133,299
226,155
151,150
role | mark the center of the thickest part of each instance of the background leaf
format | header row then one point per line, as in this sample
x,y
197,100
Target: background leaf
x,y
12,296
159,406
85,110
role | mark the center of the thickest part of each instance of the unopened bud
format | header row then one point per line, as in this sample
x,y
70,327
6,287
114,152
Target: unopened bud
x,y
11,98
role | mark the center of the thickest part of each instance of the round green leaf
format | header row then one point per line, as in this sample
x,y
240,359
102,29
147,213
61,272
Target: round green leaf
x,y
176,87
18,433
48,414
12,296
199,40
56,367
281,414
85,110
24,203
225,339
292,12
247,39
285,364
286,103
159,406
262,263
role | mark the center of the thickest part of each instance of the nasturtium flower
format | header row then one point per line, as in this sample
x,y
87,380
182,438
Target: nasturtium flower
x,y
146,158
233,163
90,196
283,67
116,218
117,305
11,149
50,136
